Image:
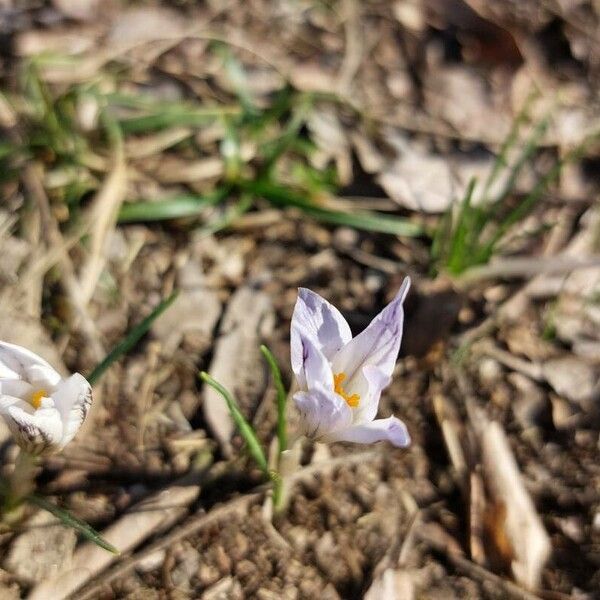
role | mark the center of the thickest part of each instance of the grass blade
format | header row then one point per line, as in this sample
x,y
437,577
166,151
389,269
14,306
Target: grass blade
x,y
244,427
69,520
370,221
281,398
176,207
459,244
130,340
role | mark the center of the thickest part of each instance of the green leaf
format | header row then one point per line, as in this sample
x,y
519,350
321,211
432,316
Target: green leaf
x,y
244,427
359,219
281,398
69,520
459,245
172,208
130,340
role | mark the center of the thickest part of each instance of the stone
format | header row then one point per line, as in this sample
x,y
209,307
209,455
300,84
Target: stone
x,y
44,550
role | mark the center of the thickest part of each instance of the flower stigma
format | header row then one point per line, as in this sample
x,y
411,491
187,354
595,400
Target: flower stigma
x,y
36,398
338,388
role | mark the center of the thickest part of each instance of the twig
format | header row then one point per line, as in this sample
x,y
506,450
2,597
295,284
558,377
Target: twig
x,y
533,370
33,183
525,267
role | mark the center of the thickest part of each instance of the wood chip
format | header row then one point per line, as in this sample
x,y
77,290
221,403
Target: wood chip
x,y
523,527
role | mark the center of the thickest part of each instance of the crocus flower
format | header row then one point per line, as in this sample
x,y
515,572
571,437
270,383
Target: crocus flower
x,y
42,410
340,377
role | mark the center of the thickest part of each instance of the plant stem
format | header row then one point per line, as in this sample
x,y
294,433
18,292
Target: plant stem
x,y
22,480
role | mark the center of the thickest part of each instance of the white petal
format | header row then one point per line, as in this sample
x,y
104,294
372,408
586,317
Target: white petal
x,y
6,401
370,384
28,366
315,368
315,317
37,433
72,398
377,345
16,387
391,429
322,411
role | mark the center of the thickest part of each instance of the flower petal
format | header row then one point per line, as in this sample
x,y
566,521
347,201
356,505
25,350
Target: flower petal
x,y
390,429
311,365
27,365
377,345
15,387
315,317
369,386
7,400
72,398
37,433
322,411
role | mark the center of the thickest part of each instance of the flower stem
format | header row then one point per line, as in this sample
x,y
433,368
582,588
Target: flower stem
x,y
22,481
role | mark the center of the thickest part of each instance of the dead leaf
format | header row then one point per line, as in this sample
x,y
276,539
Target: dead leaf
x,y
237,362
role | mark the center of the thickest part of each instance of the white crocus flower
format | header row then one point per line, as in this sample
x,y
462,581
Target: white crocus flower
x,y
42,410
340,377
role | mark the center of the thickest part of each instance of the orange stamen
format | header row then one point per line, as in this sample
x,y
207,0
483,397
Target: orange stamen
x,y
338,388
36,398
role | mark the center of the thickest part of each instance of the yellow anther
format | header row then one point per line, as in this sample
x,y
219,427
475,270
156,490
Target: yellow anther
x,y
338,388
36,398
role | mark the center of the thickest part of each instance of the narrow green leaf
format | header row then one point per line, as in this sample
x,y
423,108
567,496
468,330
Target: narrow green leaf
x,y
359,219
130,340
69,520
459,248
244,427
281,398
176,207
272,151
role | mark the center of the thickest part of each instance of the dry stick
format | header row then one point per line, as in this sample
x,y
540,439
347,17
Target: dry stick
x,y
104,213
525,267
354,46
33,183
193,525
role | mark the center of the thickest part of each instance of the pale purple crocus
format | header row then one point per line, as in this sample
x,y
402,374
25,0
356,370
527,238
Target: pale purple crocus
x,y
42,410
340,377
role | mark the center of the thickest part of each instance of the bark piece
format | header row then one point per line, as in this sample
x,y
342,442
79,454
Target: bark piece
x,y
530,544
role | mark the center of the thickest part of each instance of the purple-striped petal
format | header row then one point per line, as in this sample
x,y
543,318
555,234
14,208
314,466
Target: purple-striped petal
x,y
37,433
312,367
322,411
316,318
377,345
